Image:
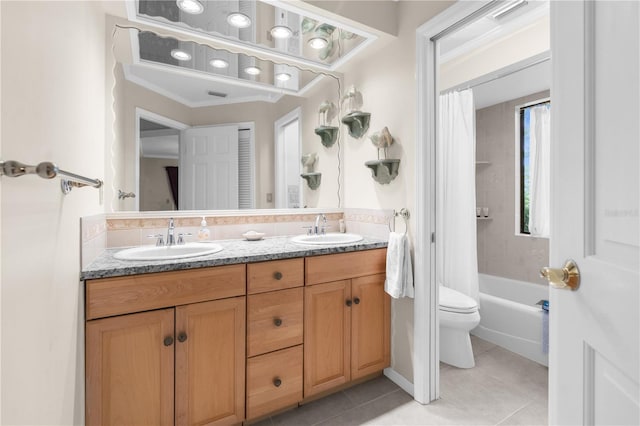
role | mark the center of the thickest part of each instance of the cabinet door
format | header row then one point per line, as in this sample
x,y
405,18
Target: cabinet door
x,y
210,362
326,336
370,322
129,361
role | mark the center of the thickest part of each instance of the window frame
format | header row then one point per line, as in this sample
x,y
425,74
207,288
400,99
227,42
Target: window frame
x,y
519,163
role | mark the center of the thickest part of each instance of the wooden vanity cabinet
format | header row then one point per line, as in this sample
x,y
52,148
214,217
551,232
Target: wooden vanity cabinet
x,y
175,347
274,335
183,364
346,319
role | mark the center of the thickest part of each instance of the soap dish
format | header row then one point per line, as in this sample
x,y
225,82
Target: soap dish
x,y
253,235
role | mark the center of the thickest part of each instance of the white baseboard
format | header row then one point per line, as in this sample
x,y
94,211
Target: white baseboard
x,y
399,380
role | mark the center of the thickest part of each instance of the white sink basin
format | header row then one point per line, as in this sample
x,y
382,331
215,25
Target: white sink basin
x,y
181,251
331,238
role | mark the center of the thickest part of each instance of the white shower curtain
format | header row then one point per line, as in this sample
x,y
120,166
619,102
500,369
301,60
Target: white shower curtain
x,y
456,152
539,163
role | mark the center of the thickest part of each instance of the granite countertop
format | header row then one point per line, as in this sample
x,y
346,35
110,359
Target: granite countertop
x,y
235,251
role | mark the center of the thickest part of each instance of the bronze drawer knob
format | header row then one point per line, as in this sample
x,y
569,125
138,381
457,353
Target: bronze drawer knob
x,y
277,322
277,382
277,275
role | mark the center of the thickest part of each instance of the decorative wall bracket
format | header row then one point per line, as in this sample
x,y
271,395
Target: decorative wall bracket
x,y
313,179
328,135
384,171
357,122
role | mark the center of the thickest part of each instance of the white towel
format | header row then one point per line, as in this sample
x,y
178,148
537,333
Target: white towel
x,y
399,282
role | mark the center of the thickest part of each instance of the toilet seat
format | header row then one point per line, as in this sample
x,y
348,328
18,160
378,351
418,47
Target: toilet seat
x,y
456,302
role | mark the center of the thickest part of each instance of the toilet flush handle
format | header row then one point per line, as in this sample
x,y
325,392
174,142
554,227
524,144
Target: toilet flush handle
x,y
568,277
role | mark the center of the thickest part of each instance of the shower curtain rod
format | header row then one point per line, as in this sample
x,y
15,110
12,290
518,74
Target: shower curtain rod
x,y
543,57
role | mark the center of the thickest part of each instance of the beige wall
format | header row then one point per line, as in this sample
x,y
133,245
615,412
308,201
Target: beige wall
x,y
500,251
388,86
521,44
53,76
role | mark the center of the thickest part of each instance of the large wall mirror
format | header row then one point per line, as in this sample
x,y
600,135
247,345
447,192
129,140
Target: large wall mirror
x,y
202,126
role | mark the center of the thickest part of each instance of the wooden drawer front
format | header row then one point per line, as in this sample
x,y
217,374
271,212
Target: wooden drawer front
x,y
122,295
263,396
275,275
263,312
341,266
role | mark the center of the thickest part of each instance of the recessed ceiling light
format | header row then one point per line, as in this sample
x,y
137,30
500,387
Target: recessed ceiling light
x,y
283,76
180,55
219,63
280,31
252,70
193,7
238,20
318,43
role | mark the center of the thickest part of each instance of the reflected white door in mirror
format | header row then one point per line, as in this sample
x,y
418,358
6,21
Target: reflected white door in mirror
x,y
191,168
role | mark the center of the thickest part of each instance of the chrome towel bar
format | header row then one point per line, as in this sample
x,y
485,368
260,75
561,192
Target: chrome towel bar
x,y
404,214
48,170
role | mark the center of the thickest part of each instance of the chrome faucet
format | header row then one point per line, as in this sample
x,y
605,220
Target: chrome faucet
x,y
316,229
170,238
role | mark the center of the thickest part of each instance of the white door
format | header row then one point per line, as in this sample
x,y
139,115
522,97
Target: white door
x,y
288,164
595,331
208,168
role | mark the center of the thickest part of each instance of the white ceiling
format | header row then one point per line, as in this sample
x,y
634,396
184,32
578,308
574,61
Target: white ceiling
x,y
191,89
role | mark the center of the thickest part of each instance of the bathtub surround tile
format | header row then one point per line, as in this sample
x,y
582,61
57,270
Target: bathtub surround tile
x,y
522,257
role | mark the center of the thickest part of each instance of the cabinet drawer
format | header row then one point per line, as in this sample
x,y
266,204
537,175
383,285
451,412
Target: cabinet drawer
x,y
342,266
121,295
275,320
274,381
275,275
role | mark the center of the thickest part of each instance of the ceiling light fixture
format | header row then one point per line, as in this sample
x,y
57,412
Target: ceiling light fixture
x,y
252,70
281,32
283,76
194,7
318,43
508,8
180,55
238,20
219,63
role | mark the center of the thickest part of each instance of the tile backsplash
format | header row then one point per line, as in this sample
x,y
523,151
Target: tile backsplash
x,y
100,232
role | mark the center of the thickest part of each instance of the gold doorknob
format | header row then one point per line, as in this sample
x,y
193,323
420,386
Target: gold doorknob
x,y
567,277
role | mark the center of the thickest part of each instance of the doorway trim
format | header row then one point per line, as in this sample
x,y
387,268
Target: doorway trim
x,y
280,200
426,371
157,118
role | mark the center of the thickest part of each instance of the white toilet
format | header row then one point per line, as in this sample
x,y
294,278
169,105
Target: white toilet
x,y
458,315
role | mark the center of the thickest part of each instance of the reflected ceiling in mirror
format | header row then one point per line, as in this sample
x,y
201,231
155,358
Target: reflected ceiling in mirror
x,y
197,75
276,28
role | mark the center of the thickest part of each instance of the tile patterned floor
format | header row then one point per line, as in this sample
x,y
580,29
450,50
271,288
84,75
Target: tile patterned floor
x,y
502,389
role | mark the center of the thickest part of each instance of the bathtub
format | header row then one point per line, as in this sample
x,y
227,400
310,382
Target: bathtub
x,y
509,316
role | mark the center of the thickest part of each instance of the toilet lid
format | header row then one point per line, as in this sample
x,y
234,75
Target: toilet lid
x,y
454,301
